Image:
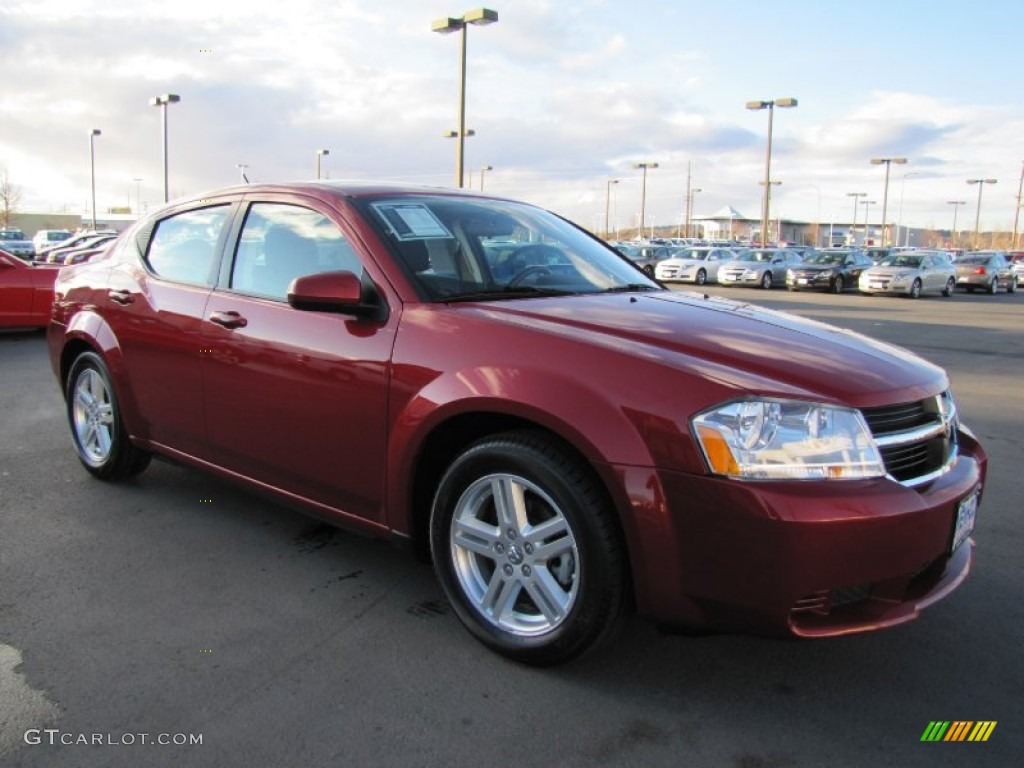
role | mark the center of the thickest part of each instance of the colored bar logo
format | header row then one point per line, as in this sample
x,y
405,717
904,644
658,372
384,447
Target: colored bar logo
x,y
959,730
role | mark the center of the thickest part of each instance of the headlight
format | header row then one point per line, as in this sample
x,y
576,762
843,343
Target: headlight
x,y
787,440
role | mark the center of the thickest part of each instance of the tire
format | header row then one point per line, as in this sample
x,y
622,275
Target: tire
x,y
837,285
766,280
97,429
1011,287
702,277
993,287
649,270
950,288
549,583
915,289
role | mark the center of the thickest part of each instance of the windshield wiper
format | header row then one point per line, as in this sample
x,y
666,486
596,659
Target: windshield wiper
x,y
516,292
631,287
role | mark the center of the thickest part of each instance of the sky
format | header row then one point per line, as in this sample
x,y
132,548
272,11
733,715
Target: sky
x,y
563,95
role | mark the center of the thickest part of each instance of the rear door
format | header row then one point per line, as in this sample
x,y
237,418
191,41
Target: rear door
x,y
154,305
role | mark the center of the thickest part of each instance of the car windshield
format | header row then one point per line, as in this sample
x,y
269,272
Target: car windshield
x,y
694,254
755,256
904,260
11,234
465,248
973,260
825,258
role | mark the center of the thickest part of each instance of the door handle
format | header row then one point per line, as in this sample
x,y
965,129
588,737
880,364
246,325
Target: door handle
x,y
228,319
120,295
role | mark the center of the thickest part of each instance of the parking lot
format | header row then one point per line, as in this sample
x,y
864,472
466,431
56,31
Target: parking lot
x,y
176,605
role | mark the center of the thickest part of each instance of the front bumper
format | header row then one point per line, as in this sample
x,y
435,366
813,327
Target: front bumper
x,y
810,280
793,558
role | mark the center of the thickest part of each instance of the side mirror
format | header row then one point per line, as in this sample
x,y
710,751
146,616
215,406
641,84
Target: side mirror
x,y
340,292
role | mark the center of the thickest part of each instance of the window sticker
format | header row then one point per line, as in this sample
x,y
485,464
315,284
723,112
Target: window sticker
x,y
412,221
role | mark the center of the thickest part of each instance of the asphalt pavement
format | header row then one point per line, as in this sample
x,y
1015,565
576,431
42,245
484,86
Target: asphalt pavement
x,y
176,608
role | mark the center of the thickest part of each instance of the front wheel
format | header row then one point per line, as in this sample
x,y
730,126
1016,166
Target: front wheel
x,y
915,289
993,287
702,277
97,430
950,288
837,284
527,550
1011,287
766,280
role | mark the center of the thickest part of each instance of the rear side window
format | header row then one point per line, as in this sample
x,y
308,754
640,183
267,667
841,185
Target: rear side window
x,y
280,242
183,247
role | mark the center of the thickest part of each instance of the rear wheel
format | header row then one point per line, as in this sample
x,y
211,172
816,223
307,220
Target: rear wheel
x,y
526,547
97,430
950,288
1011,287
993,287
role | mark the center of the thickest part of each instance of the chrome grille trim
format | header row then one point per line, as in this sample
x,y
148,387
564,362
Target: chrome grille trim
x,y
918,440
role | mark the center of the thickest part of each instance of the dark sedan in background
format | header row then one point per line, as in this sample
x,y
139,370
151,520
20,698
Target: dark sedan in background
x,y
831,270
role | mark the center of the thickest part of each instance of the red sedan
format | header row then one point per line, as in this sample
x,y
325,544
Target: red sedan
x,y
26,293
487,381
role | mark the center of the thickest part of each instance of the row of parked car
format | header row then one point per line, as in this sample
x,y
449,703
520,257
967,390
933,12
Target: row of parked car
x,y
901,271
56,246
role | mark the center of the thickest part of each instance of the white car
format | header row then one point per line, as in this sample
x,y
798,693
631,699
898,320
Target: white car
x,y
911,273
45,239
694,265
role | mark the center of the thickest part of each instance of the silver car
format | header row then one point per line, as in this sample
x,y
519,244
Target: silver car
x,y
987,270
911,273
694,265
759,266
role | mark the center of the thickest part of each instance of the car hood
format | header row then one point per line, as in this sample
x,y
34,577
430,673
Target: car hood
x,y
745,264
742,346
687,262
889,271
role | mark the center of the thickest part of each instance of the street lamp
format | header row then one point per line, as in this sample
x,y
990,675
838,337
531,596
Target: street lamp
x,y
770,106
867,230
483,170
887,161
977,215
479,16
319,154
92,170
162,102
853,227
899,219
689,209
956,207
817,218
607,206
643,195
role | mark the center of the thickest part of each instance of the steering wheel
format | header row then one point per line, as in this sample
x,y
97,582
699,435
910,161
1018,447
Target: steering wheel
x,y
525,272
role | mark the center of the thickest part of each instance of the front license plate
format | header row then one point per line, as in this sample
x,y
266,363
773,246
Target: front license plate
x,y
801,281
966,511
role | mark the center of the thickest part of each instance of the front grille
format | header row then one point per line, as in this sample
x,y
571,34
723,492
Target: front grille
x,y
917,440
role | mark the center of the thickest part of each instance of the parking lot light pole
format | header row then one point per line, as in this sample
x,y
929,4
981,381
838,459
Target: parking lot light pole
x,y
481,17
887,161
689,209
956,207
162,101
766,203
977,214
867,229
853,226
92,170
643,195
484,169
607,206
319,154
1016,210
138,196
